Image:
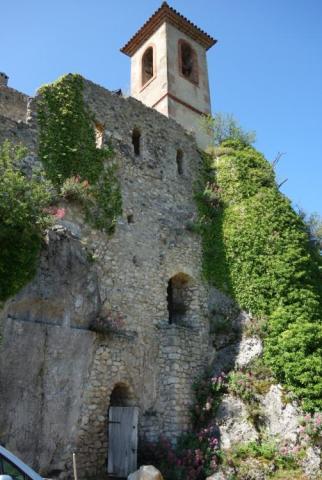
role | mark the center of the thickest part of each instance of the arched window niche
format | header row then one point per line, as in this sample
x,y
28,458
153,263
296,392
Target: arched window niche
x,y
148,68
179,299
188,62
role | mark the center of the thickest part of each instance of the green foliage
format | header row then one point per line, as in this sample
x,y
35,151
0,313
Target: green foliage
x,y
241,385
268,457
256,248
208,393
67,148
104,204
75,190
223,126
194,458
23,218
311,428
248,384
67,145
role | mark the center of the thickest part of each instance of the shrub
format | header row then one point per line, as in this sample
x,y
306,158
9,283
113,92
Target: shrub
x,y
195,457
23,218
223,126
311,428
104,201
241,385
75,189
208,393
268,455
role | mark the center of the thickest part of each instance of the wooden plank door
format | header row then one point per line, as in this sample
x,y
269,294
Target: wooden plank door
x,y
122,440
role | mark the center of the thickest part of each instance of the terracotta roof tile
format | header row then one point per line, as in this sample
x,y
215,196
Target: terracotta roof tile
x,y
167,13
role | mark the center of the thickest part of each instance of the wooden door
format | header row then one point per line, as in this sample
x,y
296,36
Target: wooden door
x,y
122,440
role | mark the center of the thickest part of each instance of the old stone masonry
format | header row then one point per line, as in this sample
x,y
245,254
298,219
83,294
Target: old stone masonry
x,y
60,376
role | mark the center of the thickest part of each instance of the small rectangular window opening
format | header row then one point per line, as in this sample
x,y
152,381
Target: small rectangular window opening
x,y
99,135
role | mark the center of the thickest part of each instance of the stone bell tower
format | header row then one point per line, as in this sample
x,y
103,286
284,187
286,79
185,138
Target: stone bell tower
x,y
169,69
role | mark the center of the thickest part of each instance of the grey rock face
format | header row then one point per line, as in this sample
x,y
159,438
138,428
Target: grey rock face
x,y
249,349
65,290
281,420
232,418
252,469
42,381
312,463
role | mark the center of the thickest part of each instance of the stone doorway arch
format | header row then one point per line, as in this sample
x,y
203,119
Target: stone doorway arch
x,y
123,418
122,396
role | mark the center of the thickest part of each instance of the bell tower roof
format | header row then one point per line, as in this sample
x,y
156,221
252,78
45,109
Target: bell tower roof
x,y
167,14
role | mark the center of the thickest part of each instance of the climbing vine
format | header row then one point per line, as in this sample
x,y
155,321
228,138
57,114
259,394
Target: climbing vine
x,y
23,218
256,248
67,148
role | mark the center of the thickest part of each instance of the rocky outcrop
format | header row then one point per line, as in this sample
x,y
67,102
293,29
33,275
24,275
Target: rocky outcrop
x,y
281,419
65,290
269,416
46,354
233,422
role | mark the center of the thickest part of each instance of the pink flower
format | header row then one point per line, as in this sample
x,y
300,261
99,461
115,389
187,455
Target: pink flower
x,y
60,213
55,211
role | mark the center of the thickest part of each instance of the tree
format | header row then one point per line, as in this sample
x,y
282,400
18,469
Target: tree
x,y
223,126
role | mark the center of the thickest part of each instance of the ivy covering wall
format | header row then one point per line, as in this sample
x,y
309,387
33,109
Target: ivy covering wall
x,y
67,148
256,249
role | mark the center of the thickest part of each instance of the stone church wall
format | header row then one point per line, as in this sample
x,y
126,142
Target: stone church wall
x,y
88,327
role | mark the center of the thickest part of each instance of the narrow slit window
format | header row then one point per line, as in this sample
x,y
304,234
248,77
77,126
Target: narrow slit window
x,y
147,66
136,141
180,162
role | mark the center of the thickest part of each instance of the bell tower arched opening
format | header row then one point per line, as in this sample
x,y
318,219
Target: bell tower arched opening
x,y
147,66
188,63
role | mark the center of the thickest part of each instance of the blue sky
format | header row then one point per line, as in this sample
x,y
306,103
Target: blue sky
x,y
266,68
